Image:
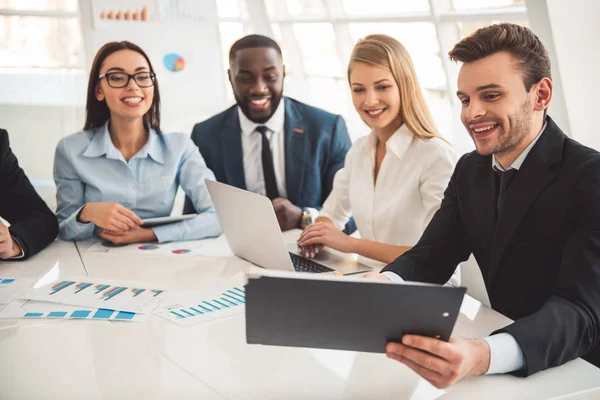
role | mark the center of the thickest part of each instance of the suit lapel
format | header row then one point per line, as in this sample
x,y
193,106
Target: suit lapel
x,y
531,179
231,144
296,148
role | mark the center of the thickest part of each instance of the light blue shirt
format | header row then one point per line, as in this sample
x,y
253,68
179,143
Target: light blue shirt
x,y
505,353
89,168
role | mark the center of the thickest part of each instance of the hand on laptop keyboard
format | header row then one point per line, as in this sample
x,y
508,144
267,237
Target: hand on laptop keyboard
x,y
302,264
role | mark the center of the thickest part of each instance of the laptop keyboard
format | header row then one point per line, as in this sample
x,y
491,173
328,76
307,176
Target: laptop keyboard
x,y
302,264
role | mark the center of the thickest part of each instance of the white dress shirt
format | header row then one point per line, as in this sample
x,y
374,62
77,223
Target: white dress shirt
x,y
505,353
252,150
410,186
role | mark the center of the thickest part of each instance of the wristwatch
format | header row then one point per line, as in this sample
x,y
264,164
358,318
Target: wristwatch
x,y
305,218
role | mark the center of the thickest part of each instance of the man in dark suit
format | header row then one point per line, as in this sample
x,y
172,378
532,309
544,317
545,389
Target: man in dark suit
x,y
270,144
32,225
526,203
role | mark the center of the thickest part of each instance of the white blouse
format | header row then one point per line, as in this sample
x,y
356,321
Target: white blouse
x,y
409,189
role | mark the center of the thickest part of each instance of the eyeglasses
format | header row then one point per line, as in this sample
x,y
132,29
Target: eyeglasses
x,y
143,79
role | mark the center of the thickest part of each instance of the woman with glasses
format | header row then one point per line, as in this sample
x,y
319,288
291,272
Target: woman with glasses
x,y
122,168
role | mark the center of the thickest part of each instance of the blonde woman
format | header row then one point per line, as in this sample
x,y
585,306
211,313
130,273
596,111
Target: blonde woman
x,y
394,179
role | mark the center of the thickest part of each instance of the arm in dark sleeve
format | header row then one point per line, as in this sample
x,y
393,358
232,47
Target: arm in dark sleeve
x,y
567,326
32,222
443,245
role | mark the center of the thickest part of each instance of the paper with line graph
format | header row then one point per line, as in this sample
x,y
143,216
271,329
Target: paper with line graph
x,y
224,300
138,297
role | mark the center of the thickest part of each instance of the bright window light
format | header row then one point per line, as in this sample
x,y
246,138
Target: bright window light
x,y
384,7
481,5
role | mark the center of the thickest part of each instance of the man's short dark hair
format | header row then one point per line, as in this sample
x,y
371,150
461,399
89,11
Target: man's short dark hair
x,y
252,42
522,44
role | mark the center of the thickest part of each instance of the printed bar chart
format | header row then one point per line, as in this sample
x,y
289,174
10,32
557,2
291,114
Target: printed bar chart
x,y
82,286
128,296
34,314
57,314
103,313
60,286
109,294
228,304
80,314
100,288
40,309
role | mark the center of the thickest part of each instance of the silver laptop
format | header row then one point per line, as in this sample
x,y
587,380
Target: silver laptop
x,y
250,226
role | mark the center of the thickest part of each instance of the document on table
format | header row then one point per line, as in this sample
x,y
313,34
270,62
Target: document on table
x,y
173,249
32,309
138,297
209,303
213,247
12,288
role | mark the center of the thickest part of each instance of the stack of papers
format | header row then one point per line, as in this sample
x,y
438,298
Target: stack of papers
x,y
78,298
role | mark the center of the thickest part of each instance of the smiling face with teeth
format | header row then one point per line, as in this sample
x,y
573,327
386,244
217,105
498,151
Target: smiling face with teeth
x,y
376,97
131,101
256,76
501,117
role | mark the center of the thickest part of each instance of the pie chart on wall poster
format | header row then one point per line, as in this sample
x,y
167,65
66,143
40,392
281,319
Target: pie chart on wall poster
x,y
174,62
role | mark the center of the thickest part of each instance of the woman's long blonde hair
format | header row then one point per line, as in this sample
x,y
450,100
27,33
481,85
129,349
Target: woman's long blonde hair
x,y
386,52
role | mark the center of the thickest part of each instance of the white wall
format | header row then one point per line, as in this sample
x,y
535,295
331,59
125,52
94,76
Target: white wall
x,y
576,31
571,32
34,131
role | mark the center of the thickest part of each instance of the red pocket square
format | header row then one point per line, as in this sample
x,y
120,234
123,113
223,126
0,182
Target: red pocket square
x,y
298,130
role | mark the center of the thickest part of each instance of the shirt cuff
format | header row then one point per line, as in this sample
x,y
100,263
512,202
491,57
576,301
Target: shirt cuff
x,y
392,276
168,233
22,255
505,354
71,229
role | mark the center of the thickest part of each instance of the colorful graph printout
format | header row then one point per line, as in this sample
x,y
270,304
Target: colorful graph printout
x,y
98,293
148,247
31,309
220,301
173,249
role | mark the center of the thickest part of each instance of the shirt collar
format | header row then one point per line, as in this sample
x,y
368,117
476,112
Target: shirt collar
x,y
397,143
101,144
275,123
521,159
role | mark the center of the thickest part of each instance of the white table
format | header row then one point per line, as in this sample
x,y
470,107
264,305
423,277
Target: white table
x,y
159,359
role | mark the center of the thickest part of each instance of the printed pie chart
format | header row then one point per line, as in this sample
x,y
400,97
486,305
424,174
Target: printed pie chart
x,y
174,62
181,251
148,247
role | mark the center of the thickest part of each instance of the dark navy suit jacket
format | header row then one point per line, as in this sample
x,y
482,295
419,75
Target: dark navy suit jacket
x,y
316,143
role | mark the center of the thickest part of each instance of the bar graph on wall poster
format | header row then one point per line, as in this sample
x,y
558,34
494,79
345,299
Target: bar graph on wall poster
x,y
31,309
98,293
186,312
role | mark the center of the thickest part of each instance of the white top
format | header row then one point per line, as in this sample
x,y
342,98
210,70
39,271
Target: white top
x,y
410,186
252,151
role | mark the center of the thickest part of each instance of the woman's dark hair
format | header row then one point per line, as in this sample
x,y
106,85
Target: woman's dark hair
x,y
97,112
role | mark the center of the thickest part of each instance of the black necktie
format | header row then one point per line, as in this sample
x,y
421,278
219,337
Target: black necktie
x,y
505,178
267,162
